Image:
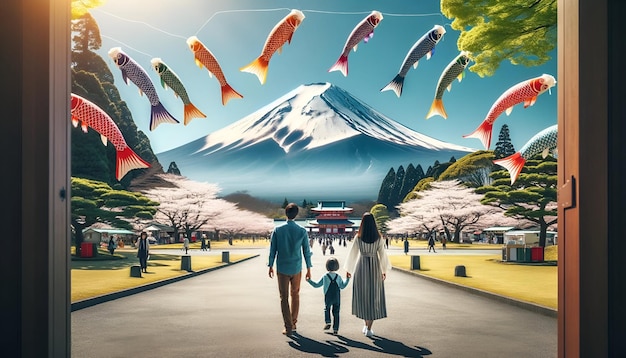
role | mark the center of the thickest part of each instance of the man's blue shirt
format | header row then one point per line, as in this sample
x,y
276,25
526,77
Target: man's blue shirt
x,y
289,243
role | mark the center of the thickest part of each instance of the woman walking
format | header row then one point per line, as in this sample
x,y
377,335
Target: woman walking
x,y
368,262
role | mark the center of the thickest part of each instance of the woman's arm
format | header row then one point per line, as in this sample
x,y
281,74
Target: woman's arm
x,y
353,255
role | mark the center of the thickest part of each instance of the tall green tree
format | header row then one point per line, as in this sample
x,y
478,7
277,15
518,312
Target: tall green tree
x,y
386,188
504,147
411,177
96,202
420,172
522,32
533,196
173,169
429,171
395,198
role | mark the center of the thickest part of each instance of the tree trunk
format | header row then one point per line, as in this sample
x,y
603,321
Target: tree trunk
x,y
543,228
457,236
454,238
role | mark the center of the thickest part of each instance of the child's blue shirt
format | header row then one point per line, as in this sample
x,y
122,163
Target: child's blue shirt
x,y
325,280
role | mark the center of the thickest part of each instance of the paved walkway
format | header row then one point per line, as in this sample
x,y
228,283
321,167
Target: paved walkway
x,y
234,312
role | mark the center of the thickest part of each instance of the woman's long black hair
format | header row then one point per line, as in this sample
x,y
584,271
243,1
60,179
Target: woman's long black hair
x,y
368,232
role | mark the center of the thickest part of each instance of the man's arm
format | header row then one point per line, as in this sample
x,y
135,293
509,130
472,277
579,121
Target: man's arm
x,y
272,255
306,252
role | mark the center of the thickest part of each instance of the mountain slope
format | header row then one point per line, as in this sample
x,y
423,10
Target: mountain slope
x,y
316,141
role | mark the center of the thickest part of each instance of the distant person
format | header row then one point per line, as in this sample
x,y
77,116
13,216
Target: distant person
x,y
443,242
186,244
143,250
203,243
431,244
331,249
324,246
406,245
368,260
332,283
289,242
112,245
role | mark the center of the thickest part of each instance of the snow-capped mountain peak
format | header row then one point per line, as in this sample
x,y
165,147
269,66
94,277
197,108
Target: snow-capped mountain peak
x,y
314,141
313,116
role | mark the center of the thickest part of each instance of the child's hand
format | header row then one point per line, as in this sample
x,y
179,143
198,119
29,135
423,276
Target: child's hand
x,y
348,275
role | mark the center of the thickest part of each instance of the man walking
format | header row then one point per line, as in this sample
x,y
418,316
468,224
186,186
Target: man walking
x,y
289,243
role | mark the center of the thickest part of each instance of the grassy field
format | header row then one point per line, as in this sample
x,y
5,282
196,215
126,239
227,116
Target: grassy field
x,y
107,274
527,282
535,283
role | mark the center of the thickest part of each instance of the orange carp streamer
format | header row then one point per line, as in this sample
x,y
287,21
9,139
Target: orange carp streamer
x,y
204,58
280,34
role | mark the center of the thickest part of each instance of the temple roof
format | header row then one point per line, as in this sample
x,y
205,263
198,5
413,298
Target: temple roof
x,y
331,222
331,205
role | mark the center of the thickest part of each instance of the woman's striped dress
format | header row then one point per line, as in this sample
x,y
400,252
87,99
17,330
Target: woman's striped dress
x,y
368,289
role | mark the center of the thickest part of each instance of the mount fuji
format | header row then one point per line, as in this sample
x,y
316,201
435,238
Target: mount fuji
x,y
316,142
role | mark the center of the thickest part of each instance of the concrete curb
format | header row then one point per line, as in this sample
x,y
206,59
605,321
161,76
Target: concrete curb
x,y
546,311
78,305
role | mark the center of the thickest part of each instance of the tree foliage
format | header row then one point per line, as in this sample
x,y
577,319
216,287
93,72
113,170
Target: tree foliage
x,y
97,202
522,32
423,184
395,195
474,168
81,7
504,147
189,206
532,197
381,216
173,169
386,188
447,205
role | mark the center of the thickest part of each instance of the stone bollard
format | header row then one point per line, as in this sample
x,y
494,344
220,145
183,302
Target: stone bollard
x,y
185,263
415,262
135,271
459,271
226,256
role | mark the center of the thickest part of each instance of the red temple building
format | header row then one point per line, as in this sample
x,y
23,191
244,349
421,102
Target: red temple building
x,y
331,218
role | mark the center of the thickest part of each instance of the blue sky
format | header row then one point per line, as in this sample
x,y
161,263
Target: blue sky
x,y
236,30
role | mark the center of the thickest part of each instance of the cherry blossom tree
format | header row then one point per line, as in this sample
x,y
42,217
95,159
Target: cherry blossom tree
x,y
189,206
233,221
185,206
447,205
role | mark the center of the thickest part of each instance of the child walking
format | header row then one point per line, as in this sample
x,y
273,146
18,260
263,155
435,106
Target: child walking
x,y
332,283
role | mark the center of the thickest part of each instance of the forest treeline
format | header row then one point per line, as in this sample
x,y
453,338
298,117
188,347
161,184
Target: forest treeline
x,y
474,168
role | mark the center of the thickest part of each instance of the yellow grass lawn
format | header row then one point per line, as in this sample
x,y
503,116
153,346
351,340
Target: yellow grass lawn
x,y
92,279
531,283
413,243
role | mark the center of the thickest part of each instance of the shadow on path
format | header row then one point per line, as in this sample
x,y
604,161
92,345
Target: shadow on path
x,y
386,346
324,349
334,348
